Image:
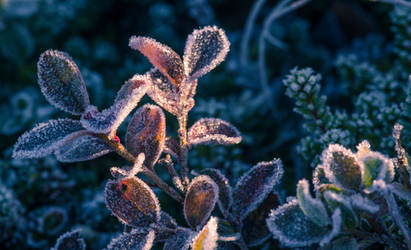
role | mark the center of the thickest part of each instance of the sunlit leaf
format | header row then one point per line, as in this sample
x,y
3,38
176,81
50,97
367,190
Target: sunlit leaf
x,y
132,201
70,241
146,133
205,49
206,239
335,201
254,186
376,166
82,148
225,198
201,196
43,139
61,82
180,241
163,92
213,131
161,56
137,239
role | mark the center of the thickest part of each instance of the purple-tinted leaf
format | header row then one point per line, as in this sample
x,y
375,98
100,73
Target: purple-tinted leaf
x,y
146,133
46,137
213,131
254,186
201,196
180,241
137,239
172,147
132,201
70,241
205,49
108,120
163,92
206,239
225,198
82,148
61,82
161,56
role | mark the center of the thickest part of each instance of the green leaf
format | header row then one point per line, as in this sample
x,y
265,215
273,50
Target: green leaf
x,y
376,166
335,201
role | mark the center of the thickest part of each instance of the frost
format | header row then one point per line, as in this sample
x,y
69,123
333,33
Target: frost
x,y
161,56
312,208
319,178
146,133
341,243
172,147
70,241
108,120
206,239
201,196
336,229
163,92
376,166
82,148
132,201
359,202
254,186
180,241
225,198
43,139
400,191
341,167
129,171
363,148
136,240
339,201
213,131
61,82
205,49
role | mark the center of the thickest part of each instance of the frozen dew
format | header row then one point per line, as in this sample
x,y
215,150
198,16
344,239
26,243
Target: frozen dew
x,y
137,239
213,131
70,241
206,239
363,148
225,198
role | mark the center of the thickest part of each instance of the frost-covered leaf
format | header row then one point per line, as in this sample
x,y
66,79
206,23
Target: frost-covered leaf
x,y
342,167
376,166
70,241
61,82
255,230
205,49
254,186
108,120
206,239
359,202
225,198
82,148
43,139
161,56
335,201
172,147
180,241
312,208
363,148
132,201
213,131
163,92
201,196
291,227
146,133
137,239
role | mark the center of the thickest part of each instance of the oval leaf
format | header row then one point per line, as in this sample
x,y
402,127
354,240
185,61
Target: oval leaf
x,y
254,186
161,56
205,49
132,201
213,131
202,194
43,139
180,241
225,198
163,92
70,241
206,239
137,239
376,166
61,82
82,148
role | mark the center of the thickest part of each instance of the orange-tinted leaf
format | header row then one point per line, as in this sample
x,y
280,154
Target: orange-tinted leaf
x,y
206,239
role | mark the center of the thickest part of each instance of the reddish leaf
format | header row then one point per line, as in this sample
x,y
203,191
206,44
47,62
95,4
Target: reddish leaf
x,y
225,198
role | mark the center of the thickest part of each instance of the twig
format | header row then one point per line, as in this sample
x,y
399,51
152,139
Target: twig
x,y
182,132
168,163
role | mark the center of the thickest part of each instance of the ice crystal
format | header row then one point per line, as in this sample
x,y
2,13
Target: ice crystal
x,y
61,82
225,198
70,241
136,239
201,196
206,239
213,131
254,186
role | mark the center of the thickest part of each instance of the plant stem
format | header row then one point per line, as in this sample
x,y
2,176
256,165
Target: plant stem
x,y
182,133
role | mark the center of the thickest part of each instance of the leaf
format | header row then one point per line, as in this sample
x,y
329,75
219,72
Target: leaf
x,y
254,186
180,241
206,239
82,148
161,56
205,49
213,131
108,120
132,202
136,240
70,241
342,167
291,227
172,147
359,202
43,139
201,196
163,92
339,201
255,230
225,198
146,133
167,222
312,208
376,166
61,82
319,178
